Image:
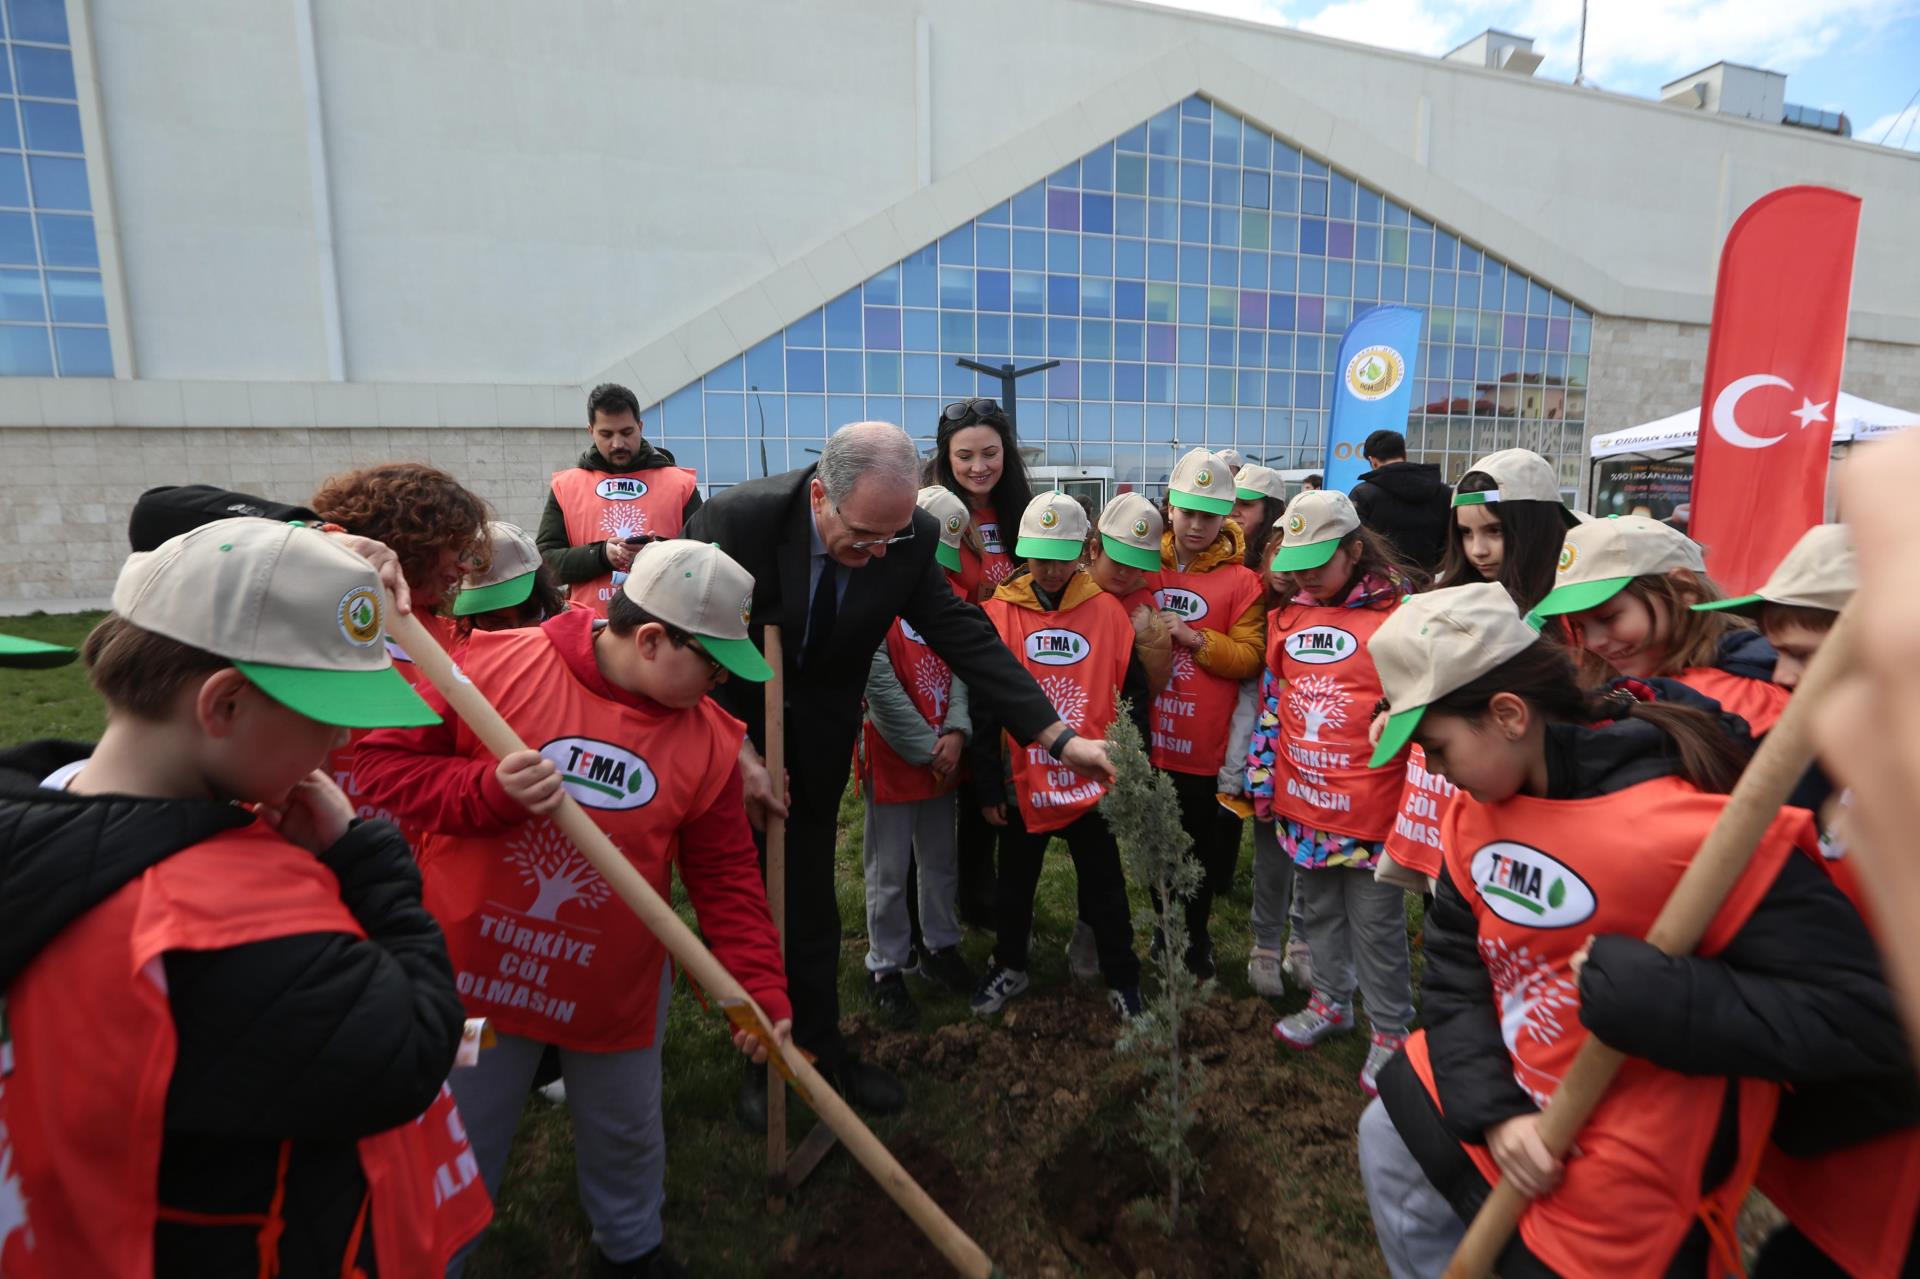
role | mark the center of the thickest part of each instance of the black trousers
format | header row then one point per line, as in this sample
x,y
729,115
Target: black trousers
x,y
818,761
977,844
1216,842
1099,881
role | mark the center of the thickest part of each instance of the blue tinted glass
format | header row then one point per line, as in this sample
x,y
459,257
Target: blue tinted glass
x,y
1163,178
16,239
805,331
956,288
1196,140
923,374
956,332
43,73
992,246
1224,267
807,417
51,126
1030,206
993,290
1194,224
884,288
1257,148
805,371
1096,255
13,180
843,320
726,414
996,334
1255,190
1163,261
998,215
1063,251
1129,216
1063,295
1030,250
1163,133
1029,292
1067,177
727,377
1226,184
20,297
42,21
766,367
956,247
1096,296
919,281
24,352
1220,344
920,330
1096,170
1063,337
1194,180
1096,213
1029,335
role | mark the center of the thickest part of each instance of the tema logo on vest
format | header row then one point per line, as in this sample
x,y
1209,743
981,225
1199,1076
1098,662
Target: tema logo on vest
x,y
1056,647
1185,604
600,774
1321,645
1525,886
621,488
990,539
360,617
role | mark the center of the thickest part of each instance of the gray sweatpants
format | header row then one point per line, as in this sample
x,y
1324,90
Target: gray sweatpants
x,y
1273,899
1417,1228
619,1139
896,834
1354,922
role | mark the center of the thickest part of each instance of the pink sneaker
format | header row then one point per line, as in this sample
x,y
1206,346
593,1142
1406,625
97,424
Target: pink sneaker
x,y
1383,1050
1313,1023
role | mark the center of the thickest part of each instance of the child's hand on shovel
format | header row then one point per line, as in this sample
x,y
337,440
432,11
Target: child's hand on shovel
x,y
754,1048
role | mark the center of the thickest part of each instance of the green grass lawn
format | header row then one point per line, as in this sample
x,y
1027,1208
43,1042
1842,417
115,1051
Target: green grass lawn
x,y
50,703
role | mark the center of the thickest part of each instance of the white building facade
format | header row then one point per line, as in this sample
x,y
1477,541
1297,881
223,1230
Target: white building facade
x,y
256,242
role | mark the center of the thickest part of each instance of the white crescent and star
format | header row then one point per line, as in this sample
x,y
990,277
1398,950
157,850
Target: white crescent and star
x,y
1727,403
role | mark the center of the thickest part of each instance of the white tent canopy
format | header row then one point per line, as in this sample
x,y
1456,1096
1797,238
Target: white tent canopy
x,y
1854,419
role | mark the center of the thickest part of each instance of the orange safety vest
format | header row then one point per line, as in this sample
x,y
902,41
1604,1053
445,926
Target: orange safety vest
x,y
1542,876
1320,774
599,506
981,574
90,1053
1079,658
928,684
1414,841
539,946
1192,715
1757,701
340,762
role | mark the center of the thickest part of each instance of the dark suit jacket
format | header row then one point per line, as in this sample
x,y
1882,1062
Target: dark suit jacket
x,y
764,525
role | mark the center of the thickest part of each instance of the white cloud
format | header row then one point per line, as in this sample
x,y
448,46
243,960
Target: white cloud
x,y
1416,26
1901,129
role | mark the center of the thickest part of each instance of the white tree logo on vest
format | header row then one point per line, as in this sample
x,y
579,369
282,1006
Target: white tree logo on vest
x,y
1320,701
1531,995
618,521
13,1206
548,861
1068,698
1182,669
933,681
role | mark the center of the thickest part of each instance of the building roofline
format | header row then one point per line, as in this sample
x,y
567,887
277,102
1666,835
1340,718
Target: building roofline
x,y
1490,31
1723,62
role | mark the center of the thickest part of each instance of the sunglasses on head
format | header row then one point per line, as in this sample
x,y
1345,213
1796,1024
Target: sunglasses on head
x,y
961,410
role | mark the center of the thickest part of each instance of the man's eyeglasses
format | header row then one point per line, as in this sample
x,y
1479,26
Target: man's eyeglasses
x,y
868,543
982,409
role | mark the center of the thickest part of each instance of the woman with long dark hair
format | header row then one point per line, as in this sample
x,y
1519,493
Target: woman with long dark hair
x,y
976,456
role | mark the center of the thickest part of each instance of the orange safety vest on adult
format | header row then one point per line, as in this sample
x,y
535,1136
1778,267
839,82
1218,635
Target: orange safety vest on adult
x,y
599,507
1320,774
1078,654
92,1044
1541,877
1192,716
539,945
1425,798
928,684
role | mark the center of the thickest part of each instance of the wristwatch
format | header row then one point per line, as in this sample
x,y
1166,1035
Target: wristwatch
x,y
1060,742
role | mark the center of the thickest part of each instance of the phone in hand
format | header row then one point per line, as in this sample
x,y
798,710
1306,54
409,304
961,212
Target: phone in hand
x,y
640,539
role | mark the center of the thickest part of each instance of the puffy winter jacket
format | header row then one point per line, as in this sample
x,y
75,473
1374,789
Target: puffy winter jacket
x,y
1409,505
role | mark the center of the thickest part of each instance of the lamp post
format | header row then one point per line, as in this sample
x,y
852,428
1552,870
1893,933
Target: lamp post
x,y
1007,373
763,429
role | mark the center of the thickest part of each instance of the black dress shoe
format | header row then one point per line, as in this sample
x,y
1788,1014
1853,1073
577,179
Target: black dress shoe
x,y
892,1001
946,968
869,1087
750,1103
653,1265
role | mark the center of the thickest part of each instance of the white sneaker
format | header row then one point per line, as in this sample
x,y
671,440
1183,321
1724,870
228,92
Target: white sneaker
x,y
1083,957
996,988
1313,1023
1383,1050
1265,971
1298,965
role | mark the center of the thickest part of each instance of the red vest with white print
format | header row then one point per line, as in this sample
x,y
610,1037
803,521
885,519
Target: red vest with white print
x,y
928,684
981,574
1320,774
1414,841
540,945
599,506
340,762
1757,701
1191,718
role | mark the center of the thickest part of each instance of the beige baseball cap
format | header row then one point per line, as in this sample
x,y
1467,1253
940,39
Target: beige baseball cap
x,y
945,505
1315,524
1253,482
509,577
1598,560
701,589
1234,459
1130,529
298,614
1201,482
1518,475
1053,527
1436,643
1819,572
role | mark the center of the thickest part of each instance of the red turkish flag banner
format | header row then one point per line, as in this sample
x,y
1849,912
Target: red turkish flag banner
x,y
1774,354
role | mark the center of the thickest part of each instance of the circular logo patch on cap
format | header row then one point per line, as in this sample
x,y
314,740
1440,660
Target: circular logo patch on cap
x,y
1049,518
1296,524
1140,528
953,523
1374,372
359,616
1568,554
746,609
1203,479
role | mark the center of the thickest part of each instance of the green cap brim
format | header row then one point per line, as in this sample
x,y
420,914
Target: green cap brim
x,y
484,599
949,557
1744,604
1250,495
1393,737
1290,559
1474,499
739,656
33,655
1132,556
345,699
1049,548
1580,596
1194,502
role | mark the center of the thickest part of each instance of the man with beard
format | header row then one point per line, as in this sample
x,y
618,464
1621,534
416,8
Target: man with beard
x,y
622,489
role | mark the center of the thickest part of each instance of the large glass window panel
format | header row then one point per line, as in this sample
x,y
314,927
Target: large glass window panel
x,y
41,21
21,297
13,180
17,243
43,73
920,330
51,126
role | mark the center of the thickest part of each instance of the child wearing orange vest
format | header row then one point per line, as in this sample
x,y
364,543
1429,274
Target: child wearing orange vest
x,y
1332,807
1076,640
1575,818
227,1020
1844,1164
1214,607
915,728
1627,584
539,945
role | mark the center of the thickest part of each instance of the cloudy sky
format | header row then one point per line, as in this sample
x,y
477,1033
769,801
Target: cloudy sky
x,y
1857,56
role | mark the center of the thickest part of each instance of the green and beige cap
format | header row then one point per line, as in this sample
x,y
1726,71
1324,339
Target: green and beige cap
x,y
1202,482
1053,527
1518,475
1598,560
299,615
509,577
701,589
21,654
945,506
1130,529
1314,525
1253,482
1437,643
1819,572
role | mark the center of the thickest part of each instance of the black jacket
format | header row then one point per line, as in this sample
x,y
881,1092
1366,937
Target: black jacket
x,y
1407,503
569,563
317,1038
764,525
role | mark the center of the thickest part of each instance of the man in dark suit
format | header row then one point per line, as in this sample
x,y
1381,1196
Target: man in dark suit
x,y
837,552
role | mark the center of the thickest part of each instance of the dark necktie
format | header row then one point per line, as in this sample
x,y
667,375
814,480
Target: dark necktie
x,y
826,607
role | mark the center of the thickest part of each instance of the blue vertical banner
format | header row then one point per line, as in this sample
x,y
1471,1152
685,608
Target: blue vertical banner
x,y
1373,387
